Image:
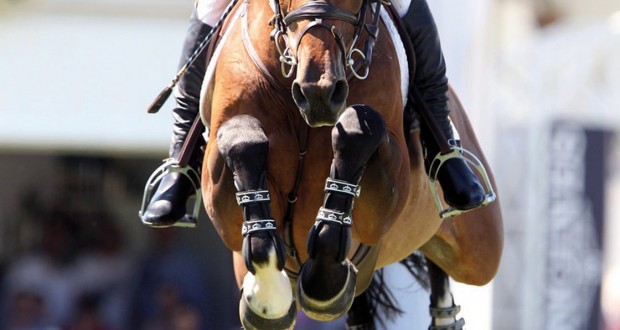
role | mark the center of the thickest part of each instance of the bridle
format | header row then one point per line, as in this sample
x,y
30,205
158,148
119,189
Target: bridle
x,y
318,11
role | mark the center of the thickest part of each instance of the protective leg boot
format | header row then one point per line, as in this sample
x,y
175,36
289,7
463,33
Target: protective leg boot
x,y
168,203
461,187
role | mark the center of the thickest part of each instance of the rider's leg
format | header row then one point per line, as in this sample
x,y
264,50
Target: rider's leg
x,y
168,203
462,190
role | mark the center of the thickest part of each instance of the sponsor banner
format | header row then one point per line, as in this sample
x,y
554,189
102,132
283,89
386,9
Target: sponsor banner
x,y
574,254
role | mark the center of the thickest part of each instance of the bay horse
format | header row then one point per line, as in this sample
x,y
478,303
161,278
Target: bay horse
x,y
304,105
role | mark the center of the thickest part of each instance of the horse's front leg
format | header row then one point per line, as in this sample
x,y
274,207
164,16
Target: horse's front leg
x,y
267,298
326,285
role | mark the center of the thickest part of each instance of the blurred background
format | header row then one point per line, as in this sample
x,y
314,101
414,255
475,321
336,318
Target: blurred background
x,y
540,80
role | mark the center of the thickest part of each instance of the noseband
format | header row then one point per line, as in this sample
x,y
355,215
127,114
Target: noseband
x,y
318,11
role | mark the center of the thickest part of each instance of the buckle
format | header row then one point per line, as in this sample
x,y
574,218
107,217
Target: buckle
x,y
472,160
170,166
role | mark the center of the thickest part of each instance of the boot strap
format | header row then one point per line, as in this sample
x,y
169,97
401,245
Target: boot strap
x,y
252,226
342,187
339,186
444,312
245,198
334,216
252,196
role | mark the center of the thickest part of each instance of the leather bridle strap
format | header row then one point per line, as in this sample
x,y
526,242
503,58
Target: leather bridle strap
x,y
317,12
320,9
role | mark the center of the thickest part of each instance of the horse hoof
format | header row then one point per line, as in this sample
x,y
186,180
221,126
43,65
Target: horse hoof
x,y
251,320
329,310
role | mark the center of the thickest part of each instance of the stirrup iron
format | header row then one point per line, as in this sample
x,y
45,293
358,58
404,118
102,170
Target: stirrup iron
x,y
469,158
171,165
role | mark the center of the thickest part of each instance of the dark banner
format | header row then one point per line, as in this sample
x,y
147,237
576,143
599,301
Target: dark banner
x,y
575,220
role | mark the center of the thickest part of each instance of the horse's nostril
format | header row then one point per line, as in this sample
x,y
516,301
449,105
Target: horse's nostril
x,y
340,93
298,96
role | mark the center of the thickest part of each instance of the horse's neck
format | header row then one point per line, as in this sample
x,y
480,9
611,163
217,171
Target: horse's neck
x,y
259,15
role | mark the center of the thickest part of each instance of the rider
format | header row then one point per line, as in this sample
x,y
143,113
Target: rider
x,y
461,187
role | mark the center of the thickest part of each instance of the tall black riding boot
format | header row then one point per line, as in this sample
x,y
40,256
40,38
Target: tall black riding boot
x,y
168,203
461,187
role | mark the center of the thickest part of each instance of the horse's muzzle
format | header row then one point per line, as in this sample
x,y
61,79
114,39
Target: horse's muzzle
x,y
322,102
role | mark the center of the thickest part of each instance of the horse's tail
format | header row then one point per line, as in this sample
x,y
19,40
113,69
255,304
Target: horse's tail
x,y
378,303
415,263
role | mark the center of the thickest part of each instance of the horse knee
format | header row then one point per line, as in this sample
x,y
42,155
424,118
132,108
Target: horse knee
x,y
244,145
241,138
356,137
359,128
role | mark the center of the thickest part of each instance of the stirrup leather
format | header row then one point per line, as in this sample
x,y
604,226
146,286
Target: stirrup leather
x,y
469,158
171,165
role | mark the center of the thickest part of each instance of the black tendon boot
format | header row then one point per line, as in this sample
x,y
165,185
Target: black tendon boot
x,y
461,187
168,203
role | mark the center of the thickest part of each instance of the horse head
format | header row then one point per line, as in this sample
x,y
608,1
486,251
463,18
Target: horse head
x,y
316,39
